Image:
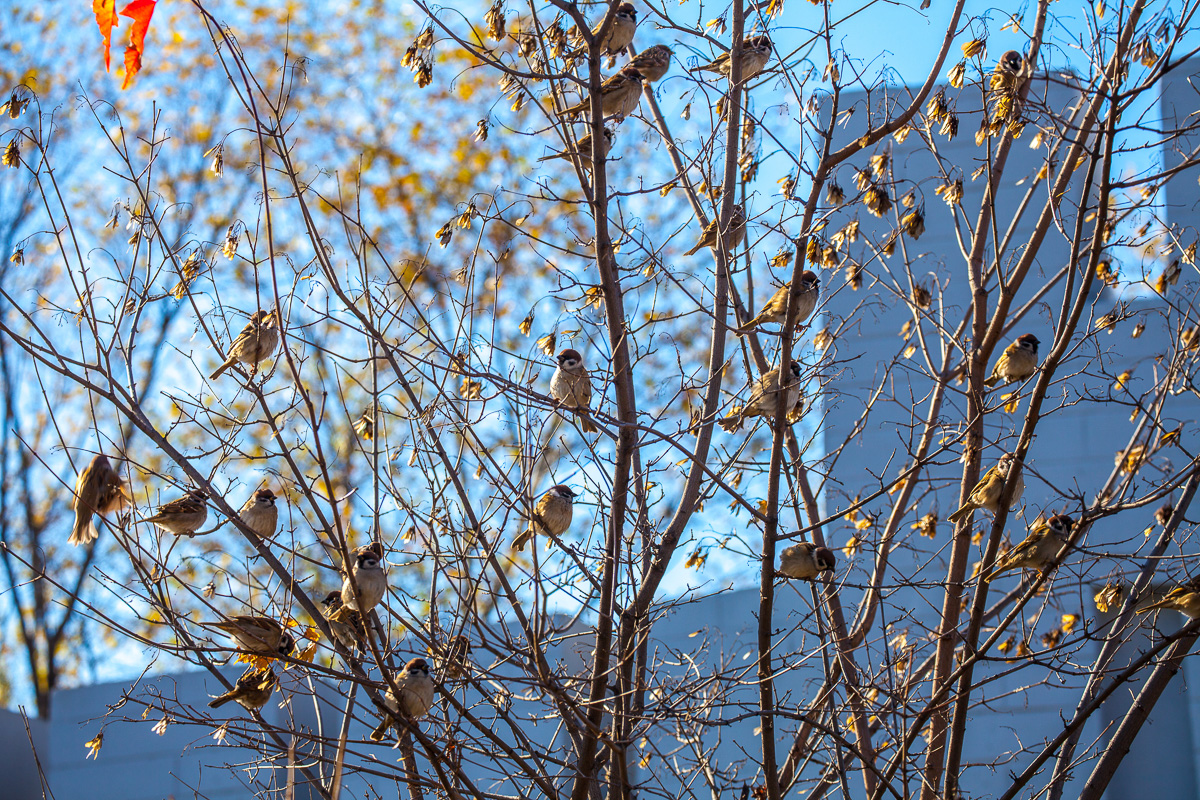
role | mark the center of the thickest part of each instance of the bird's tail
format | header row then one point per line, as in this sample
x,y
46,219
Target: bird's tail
x,y
1163,603
959,515
217,702
522,539
83,532
586,423
695,249
749,326
219,371
730,424
381,730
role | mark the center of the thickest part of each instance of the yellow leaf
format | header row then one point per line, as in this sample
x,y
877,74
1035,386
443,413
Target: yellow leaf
x,y
93,745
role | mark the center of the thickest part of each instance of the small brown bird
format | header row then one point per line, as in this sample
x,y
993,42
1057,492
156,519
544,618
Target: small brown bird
x,y
756,52
98,490
1038,550
733,236
259,635
805,561
1008,73
346,626
775,310
416,696
551,515
571,385
252,690
653,62
620,95
583,150
1018,362
457,663
986,494
184,516
1184,598
620,32
369,578
763,400
254,344
260,514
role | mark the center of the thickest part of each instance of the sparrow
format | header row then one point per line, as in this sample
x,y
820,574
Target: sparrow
x,y
583,148
260,514
255,343
252,690
1039,548
1184,598
620,32
1017,363
184,516
620,95
653,62
986,494
762,402
733,237
369,579
775,310
756,52
347,627
98,490
571,385
805,561
260,635
416,696
551,515
1008,73
458,658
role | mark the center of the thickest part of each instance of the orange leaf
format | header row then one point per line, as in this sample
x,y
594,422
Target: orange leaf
x,y
140,12
106,18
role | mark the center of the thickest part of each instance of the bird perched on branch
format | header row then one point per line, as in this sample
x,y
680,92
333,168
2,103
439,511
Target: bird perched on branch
x,y
416,696
260,514
98,490
347,627
653,62
775,310
620,95
366,588
734,235
582,151
254,344
1184,598
457,663
1009,73
987,491
805,561
756,52
764,398
1018,362
571,385
256,634
620,32
183,516
252,690
1038,550
551,515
